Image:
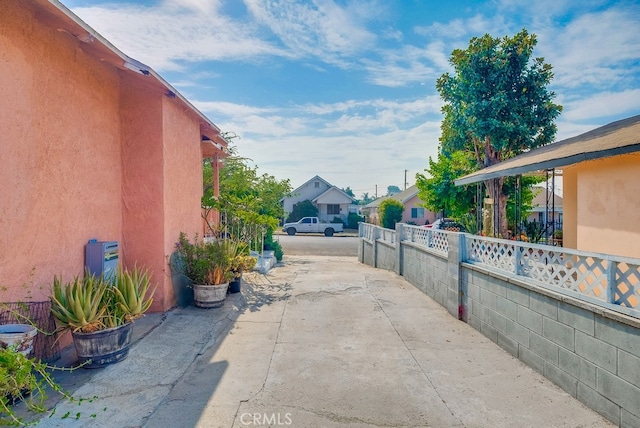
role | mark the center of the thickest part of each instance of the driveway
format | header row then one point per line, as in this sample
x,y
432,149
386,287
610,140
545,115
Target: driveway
x,y
322,342
319,245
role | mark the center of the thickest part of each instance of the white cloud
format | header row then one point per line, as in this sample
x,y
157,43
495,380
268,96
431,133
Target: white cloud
x,y
318,29
229,109
358,161
166,35
597,49
602,105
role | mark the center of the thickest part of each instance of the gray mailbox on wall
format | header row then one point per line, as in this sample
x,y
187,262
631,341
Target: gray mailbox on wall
x,y
101,257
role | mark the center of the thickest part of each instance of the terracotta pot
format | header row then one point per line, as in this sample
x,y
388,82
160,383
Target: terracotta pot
x,y
209,296
103,347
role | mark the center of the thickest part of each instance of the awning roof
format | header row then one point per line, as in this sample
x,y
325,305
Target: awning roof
x,y
613,139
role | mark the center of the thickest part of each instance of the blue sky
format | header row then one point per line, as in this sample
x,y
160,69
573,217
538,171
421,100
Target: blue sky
x,y
345,89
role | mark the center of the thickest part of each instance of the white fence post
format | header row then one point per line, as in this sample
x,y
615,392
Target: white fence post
x,y
517,259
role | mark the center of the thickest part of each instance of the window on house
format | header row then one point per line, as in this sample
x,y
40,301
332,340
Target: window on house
x,y
333,209
316,184
417,212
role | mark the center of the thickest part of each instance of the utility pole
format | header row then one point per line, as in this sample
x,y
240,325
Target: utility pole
x,y
376,191
405,179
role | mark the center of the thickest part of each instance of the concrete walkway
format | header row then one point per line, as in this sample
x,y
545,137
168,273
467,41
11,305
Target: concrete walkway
x,y
321,342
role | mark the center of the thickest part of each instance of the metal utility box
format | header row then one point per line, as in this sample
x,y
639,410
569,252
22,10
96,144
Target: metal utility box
x,y
101,258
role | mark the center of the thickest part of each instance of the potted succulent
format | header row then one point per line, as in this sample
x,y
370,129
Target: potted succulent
x,y
208,265
243,261
100,312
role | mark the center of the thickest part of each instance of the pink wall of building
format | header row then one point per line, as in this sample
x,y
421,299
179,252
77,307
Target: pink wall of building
x,y
607,205
88,150
182,212
60,159
415,202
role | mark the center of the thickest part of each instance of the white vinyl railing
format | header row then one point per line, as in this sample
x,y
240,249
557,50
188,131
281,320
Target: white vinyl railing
x,y
373,233
599,277
434,239
605,278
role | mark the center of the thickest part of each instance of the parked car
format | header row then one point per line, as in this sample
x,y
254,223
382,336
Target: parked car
x,y
312,225
446,224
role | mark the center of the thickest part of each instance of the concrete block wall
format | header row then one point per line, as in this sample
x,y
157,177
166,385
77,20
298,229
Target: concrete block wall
x,y
427,271
590,352
365,253
386,256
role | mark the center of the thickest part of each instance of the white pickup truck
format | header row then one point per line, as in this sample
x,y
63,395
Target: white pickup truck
x,y
312,225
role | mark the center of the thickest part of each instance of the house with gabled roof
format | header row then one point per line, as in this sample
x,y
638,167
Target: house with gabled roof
x,y
544,209
414,212
330,200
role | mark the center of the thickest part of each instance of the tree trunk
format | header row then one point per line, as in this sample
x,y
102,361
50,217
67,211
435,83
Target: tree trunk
x,y
494,188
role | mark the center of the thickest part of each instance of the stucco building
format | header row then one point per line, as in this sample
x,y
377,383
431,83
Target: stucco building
x,y
94,145
414,212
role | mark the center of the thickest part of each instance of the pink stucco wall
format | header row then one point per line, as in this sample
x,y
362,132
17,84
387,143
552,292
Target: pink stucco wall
x,y
182,212
415,202
607,205
60,160
88,150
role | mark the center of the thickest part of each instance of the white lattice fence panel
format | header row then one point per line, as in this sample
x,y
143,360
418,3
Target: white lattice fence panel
x,y
440,241
499,255
428,238
627,291
582,274
417,235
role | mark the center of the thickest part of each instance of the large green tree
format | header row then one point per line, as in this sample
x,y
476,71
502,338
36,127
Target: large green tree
x,y
249,202
497,105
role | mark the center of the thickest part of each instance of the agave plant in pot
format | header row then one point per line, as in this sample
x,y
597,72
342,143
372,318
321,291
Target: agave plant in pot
x,y
208,265
100,313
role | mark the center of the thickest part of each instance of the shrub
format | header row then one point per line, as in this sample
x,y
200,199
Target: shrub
x,y
337,220
302,209
353,219
271,245
390,213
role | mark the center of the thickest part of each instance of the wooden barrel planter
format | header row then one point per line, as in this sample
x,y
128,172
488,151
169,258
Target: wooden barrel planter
x,y
103,347
209,296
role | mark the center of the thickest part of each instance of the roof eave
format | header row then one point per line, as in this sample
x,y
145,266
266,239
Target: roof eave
x,y
550,164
